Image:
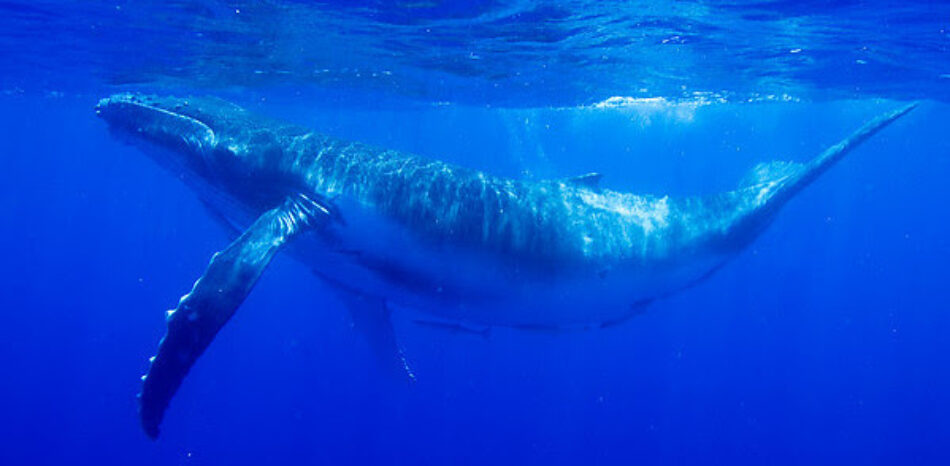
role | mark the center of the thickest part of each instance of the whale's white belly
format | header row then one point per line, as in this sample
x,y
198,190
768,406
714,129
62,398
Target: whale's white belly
x,y
376,256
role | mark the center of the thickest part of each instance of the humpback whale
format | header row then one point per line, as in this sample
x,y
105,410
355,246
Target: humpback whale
x,y
460,244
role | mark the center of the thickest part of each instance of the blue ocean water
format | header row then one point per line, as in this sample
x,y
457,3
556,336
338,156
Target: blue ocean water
x,y
823,343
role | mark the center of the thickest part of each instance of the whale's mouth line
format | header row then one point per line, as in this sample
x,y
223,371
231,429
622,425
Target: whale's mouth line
x,y
108,104
175,141
137,116
118,103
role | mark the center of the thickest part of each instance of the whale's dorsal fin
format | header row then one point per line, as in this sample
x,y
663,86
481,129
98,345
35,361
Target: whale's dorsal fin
x,y
588,180
228,279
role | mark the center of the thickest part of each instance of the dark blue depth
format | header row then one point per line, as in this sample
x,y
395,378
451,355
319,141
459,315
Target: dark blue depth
x,y
824,343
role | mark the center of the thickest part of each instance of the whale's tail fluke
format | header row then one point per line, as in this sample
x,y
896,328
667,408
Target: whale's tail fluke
x,y
770,185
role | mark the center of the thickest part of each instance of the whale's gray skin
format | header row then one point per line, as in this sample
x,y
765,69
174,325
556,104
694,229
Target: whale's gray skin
x,y
458,243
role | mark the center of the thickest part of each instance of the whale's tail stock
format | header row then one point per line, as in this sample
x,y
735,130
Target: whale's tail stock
x,y
771,184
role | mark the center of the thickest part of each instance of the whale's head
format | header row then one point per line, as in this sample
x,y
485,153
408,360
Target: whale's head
x,y
203,138
175,124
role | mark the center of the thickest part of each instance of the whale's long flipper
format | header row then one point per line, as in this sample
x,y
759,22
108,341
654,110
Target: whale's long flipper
x,y
228,279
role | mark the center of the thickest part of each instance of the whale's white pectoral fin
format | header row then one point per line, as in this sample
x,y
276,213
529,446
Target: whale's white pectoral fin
x,y
228,279
371,317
